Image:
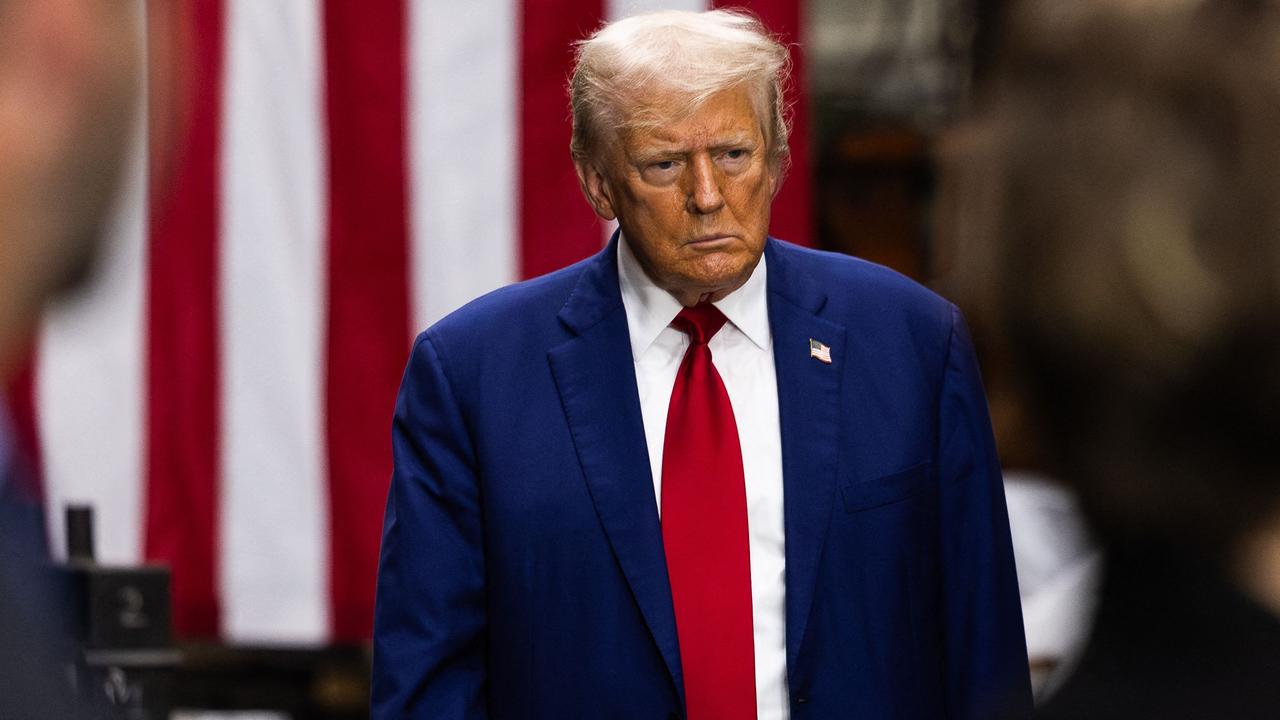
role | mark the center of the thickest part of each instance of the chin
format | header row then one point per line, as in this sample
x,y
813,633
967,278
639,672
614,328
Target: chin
x,y
721,273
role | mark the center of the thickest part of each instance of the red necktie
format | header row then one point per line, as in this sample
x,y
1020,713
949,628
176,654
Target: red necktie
x,y
704,532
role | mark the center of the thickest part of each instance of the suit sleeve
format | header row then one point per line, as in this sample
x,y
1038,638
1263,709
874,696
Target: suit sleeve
x,y
429,621
985,648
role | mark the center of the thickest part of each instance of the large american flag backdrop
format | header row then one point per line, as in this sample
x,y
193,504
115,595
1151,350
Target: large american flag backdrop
x,y
314,181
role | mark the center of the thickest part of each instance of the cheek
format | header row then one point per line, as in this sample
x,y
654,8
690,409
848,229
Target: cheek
x,y
666,209
752,185
663,215
751,200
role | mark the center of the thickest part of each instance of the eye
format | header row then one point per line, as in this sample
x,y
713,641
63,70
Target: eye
x,y
734,160
661,172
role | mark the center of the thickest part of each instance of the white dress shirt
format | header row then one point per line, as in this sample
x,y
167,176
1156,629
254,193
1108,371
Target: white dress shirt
x,y
742,352
1059,572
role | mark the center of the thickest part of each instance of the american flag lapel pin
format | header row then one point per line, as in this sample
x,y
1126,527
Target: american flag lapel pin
x,y
819,351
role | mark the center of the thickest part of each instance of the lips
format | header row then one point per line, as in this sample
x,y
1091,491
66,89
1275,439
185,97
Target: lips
x,y
706,239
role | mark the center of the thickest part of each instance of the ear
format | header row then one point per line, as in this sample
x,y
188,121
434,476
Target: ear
x,y
596,187
776,172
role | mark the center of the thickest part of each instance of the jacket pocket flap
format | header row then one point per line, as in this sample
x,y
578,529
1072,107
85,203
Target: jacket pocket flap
x,y
868,494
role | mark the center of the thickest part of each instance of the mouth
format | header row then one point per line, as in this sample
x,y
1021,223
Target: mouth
x,y
710,241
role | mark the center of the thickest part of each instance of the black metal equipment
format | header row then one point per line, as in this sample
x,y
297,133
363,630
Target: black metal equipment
x,y
127,662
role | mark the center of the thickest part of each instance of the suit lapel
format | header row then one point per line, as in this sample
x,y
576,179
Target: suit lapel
x,y
595,376
808,408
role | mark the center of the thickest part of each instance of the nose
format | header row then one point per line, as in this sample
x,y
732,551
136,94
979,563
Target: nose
x,y
704,195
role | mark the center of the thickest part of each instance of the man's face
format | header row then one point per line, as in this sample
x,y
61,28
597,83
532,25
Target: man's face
x,y
691,195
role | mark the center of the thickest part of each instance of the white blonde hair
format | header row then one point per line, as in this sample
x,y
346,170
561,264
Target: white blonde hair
x,y
695,54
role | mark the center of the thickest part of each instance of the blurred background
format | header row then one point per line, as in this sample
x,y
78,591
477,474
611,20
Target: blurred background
x,y
312,182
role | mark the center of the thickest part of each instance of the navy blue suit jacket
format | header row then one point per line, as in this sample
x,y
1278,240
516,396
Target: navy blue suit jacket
x,y
522,571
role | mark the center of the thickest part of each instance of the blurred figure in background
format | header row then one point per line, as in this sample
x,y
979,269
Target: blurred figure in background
x,y
1119,223
1057,558
67,85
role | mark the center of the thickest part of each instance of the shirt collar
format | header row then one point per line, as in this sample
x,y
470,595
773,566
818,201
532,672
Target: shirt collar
x,y
650,309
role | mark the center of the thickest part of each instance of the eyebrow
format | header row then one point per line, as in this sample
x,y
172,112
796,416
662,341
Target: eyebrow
x,y
671,151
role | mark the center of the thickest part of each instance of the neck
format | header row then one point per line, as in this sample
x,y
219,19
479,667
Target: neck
x,y
693,297
12,328
20,284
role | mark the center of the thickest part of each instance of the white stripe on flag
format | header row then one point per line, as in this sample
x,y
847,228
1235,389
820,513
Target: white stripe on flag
x,y
462,139
90,375
274,532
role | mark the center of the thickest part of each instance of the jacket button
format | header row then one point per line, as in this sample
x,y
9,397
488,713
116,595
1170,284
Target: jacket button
x,y
801,699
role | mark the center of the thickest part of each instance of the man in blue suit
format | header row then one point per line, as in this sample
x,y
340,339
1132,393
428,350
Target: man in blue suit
x,y
705,473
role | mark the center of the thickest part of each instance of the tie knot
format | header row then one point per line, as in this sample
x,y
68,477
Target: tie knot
x,y
700,322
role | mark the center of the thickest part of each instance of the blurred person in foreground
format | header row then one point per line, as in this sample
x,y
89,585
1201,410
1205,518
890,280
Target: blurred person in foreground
x,y
67,88
705,473
1119,219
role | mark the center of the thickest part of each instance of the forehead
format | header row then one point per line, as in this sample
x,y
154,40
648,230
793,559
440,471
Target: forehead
x,y
669,119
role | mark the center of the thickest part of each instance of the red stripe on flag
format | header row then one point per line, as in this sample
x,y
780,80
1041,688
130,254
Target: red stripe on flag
x,y
182,442
368,328
557,227
793,207
26,429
